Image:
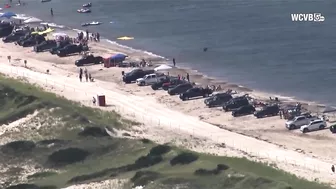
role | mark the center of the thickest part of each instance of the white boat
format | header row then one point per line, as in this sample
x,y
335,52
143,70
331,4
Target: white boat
x,y
87,5
91,23
43,1
83,10
52,25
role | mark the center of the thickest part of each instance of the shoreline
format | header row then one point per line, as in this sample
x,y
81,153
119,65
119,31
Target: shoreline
x,y
200,77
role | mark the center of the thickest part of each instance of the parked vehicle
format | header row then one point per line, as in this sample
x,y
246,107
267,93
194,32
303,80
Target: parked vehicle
x,y
71,49
6,30
13,37
89,59
60,45
33,40
235,103
181,88
313,126
243,110
333,128
298,121
149,79
136,74
272,110
217,99
158,85
23,38
45,45
195,92
173,83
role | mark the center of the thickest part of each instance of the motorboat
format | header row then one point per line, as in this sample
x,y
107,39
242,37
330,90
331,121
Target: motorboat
x,y
83,10
44,1
87,5
52,25
91,23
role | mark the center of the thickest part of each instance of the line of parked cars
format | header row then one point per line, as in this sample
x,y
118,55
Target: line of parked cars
x,y
239,106
25,37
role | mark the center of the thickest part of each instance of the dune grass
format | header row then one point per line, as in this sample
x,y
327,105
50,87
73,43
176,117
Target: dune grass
x,y
119,158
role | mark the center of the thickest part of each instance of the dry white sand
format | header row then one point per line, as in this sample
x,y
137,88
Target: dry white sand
x,y
167,118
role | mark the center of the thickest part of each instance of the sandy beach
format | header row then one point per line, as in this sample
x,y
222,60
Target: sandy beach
x,y
168,119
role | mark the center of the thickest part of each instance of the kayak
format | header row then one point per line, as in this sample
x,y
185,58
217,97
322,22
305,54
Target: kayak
x,y
7,6
43,1
87,5
91,23
83,10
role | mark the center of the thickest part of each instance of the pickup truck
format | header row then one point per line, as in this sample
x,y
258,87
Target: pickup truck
x,y
195,92
299,121
150,79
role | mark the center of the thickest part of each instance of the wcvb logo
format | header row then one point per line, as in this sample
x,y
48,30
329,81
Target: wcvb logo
x,y
311,17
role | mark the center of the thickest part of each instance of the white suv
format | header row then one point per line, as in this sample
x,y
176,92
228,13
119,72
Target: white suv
x,y
314,125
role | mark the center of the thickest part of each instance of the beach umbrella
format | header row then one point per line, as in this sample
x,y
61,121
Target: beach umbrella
x,y
125,38
163,67
7,15
32,20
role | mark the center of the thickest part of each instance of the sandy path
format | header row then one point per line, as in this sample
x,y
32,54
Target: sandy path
x,y
148,111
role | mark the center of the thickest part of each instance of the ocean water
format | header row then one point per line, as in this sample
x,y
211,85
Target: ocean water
x,y
251,43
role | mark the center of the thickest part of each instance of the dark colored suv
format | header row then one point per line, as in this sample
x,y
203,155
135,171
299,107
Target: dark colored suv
x,y
181,88
195,92
235,103
243,110
217,99
272,110
136,74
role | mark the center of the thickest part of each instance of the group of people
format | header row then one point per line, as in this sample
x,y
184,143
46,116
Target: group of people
x,y
87,75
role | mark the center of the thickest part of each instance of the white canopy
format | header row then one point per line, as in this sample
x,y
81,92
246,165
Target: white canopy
x,y
163,67
32,20
60,35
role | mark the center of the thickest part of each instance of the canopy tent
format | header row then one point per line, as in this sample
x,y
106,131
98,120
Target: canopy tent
x,y
125,38
114,60
163,67
32,20
118,58
329,109
7,15
60,35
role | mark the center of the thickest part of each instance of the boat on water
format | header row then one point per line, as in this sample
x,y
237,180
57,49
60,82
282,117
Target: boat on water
x,y
87,5
7,6
83,10
51,25
44,1
91,23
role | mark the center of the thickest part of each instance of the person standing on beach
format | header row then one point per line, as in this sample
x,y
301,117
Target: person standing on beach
x,y
174,62
188,77
333,168
51,12
80,74
87,34
98,37
86,74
